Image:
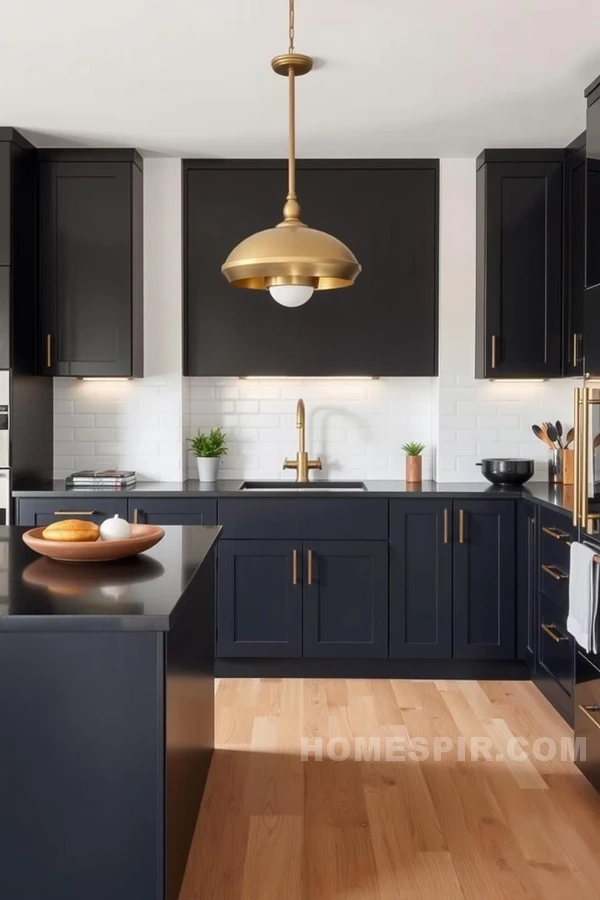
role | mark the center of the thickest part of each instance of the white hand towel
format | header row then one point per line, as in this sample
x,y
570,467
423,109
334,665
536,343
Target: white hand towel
x,y
583,596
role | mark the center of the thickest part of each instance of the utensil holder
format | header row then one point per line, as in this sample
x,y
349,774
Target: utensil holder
x,y
556,466
414,469
568,463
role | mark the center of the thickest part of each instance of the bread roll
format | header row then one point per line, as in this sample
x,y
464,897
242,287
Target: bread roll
x,y
71,530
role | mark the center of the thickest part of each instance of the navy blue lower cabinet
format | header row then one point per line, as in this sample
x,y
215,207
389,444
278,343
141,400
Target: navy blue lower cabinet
x,y
421,579
527,573
259,591
42,511
345,599
484,579
168,511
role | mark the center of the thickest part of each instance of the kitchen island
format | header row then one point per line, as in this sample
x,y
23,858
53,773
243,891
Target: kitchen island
x,y
107,717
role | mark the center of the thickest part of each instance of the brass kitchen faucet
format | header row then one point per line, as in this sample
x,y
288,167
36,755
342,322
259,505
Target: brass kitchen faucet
x,y
302,464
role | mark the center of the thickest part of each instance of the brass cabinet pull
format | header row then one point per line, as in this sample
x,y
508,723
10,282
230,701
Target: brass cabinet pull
x,y
49,351
461,526
294,567
136,517
554,572
588,710
310,567
74,512
550,629
555,532
584,457
446,528
494,352
575,347
576,449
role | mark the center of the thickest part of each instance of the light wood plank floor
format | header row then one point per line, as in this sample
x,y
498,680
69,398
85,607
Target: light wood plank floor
x,y
273,827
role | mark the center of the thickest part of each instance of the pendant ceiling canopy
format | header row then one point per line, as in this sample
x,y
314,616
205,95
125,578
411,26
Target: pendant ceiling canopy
x,y
291,260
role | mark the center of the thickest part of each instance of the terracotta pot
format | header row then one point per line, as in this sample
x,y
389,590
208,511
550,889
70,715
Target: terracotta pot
x,y
414,468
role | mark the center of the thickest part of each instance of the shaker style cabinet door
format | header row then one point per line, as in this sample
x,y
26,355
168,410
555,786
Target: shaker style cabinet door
x,y
421,579
91,266
345,599
259,598
519,268
386,211
484,579
573,318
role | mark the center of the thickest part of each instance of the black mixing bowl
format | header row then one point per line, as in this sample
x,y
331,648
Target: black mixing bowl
x,y
507,471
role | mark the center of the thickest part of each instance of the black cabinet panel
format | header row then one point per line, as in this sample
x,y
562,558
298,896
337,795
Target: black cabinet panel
x,y
573,324
385,211
555,654
91,268
165,511
420,579
43,511
527,569
587,717
591,333
484,580
345,599
519,269
5,317
5,202
259,605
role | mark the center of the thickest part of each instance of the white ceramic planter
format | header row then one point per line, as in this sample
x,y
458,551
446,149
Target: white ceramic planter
x,y
208,467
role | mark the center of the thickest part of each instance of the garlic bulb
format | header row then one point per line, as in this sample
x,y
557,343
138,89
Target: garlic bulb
x,y
115,529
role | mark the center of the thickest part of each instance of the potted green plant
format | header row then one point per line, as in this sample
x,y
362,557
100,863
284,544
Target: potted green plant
x,y
208,450
414,461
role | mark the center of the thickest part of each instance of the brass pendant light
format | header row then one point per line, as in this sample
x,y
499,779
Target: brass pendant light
x,y
291,260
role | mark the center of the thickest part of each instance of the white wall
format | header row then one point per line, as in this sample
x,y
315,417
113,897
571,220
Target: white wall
x,y
357,426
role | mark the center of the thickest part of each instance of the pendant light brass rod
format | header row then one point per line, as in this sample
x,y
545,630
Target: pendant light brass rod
x,y
292,135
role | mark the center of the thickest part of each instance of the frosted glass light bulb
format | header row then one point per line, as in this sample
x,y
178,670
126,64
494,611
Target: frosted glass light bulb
x,y
291,295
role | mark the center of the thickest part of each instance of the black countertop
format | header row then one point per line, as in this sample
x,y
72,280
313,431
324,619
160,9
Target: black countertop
x,y
137,594
555,496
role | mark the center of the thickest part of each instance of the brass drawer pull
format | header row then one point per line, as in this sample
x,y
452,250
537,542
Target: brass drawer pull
x,y
555,572
136,517
588,710
294,567
310,567
494,352
446,529
550,629
555,532
48,351
74,512
461,526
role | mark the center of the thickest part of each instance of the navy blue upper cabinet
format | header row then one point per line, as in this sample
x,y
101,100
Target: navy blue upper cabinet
x,y
591,333
573,318
421,579
484,579
345,599
91,272
386,211
519,264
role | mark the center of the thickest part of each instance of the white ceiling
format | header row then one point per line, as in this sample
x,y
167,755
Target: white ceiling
x,y
395,77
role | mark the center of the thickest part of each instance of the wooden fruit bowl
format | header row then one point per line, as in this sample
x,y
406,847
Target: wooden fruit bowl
x,y
142,538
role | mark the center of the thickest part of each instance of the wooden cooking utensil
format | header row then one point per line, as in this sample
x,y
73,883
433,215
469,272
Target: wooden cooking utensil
x,y
570,437
542,436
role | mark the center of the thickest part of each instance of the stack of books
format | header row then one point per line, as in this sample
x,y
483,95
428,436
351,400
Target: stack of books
x,y
101,478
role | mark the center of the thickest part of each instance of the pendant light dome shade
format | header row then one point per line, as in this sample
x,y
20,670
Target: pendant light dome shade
x,y
291,254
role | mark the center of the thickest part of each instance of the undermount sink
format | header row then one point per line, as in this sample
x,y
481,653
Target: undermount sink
x,y
303,486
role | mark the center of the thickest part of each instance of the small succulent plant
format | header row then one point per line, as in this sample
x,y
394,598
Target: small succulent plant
x,y
413,448
213,444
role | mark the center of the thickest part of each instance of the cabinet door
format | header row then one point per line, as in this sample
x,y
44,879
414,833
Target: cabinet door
x,y
527,581
385,211
345,599
519,270
166,511
591,333
587,717
484,579
259,598
421,579
42,511
573,346
90,268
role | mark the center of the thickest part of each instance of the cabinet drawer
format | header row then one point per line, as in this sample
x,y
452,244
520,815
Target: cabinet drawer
x,y
43,511
171,511
554,583
556,531
556,648
587,717
304,518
